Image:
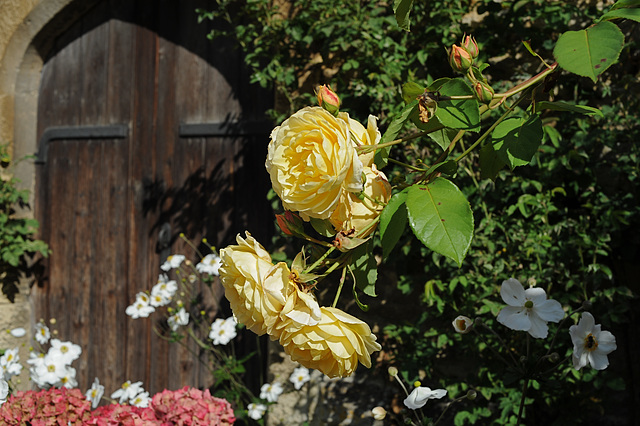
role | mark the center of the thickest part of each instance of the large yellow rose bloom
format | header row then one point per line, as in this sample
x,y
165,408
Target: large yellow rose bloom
x,y
256,288
333,346
312,160
363,137
354,213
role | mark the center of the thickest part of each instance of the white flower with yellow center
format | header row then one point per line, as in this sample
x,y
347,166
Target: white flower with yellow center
x,y
591,345
42,333
299,377
223,331
209,264
94,394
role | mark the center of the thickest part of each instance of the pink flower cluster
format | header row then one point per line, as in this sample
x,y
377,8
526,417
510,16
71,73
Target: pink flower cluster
x,y
46,408
53,407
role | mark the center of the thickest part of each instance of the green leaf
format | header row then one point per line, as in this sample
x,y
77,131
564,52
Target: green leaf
x,y
411,91
364,268
631,14
443,137
589,52
516,140
402,8
564,106
458,113
441,218
393,221
392,132
625,3
490,162
323,227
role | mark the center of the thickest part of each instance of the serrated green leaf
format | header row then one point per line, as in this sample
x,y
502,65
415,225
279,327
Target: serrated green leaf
x,y
589,52
516,140
392,132
441,218
364,268
393,221
437,84
323,227
443,137
411,91
631,14
625,3
458,113
402,8
564,106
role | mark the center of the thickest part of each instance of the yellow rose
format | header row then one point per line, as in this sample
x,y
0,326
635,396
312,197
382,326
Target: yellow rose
x,y
364,137
311,161
334,345
256,288
355,213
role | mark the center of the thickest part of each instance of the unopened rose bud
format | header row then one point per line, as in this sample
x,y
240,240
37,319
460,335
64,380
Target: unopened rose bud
x,y
462,324
328,99
290,223
379,413
484,92
470,46
471,395
459,59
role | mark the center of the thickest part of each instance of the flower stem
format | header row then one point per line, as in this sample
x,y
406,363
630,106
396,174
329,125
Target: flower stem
x,y
340,284
524,395
460,398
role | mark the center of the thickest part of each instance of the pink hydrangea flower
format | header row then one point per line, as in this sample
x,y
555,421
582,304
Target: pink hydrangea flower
x,y
46,407
192,407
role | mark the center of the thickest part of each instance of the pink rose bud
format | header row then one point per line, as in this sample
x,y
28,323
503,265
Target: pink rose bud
x,y
460,59
328,99
470,45
290,223
484,92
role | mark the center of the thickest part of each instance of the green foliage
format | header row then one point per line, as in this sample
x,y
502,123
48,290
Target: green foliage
x,y
16,234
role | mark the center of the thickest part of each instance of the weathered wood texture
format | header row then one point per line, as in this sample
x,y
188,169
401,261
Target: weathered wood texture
x,y
102,202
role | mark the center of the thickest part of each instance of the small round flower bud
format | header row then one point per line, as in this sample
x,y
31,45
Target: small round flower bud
x,y
587,305
393,371
462,324
378,413
328,99
52,321
484,92
554,357
523,359
471,394
470,46
460,59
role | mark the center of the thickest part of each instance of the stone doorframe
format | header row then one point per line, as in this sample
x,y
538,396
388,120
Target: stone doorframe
x,y
20,72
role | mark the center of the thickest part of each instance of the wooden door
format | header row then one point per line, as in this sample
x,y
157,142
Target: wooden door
x,y
146,127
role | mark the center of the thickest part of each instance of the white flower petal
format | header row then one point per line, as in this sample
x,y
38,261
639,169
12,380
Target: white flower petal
x,y
598,360
539,328
550,310
515,318
535,294
606,342
512,292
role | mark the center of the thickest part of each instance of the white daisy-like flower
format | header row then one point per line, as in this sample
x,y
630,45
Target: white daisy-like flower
x,y
223,331
127,391
50,371
591,344
67,351
256,411
528,310
42,333
140,400
141,308
271,391
420,395
68,378
209,264
4,391
299,377
172,262
178,319
94,394
10,364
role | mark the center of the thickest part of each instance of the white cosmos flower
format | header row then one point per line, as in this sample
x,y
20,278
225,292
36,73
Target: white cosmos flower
x,y
127,391
68,378
141,400
50,371
271,391
256,411
42,333
9,364
299,377
172,262
94,394
528,310
67,351
591,345
141,308
209,264
420,395
223,331
179,318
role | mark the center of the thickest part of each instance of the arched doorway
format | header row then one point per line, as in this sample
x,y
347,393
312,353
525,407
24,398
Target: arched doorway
x,y
144,128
